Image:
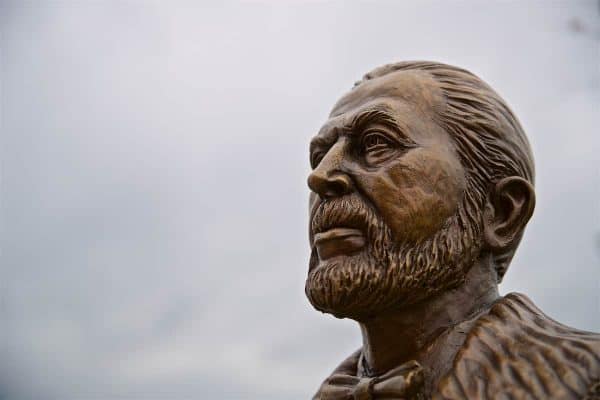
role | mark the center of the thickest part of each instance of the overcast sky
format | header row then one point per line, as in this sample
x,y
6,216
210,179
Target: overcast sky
x,y
153,181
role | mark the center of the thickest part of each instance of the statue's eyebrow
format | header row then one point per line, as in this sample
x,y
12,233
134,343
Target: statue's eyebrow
x,y
380,114
364,117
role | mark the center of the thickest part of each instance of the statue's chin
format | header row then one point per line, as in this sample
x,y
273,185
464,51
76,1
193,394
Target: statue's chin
x,y
359,288
352,287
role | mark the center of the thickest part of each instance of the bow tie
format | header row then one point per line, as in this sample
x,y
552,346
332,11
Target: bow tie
x,y
401,383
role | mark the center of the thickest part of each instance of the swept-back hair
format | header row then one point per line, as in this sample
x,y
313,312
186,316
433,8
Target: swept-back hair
x,y
490,140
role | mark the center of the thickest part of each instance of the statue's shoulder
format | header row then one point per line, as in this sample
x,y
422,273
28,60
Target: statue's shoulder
x,y
516,351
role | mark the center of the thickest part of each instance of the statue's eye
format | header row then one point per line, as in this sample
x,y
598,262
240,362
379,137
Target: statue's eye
x,y
375,141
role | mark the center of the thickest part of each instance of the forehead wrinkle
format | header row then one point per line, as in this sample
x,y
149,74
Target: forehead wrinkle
x,y
419,90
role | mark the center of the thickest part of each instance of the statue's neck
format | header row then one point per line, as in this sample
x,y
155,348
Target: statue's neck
x,y
406,334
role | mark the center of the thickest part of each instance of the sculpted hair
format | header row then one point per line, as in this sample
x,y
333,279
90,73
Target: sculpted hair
x,y
490,140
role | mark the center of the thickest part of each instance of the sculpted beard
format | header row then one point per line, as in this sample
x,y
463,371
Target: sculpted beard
x,y
386,273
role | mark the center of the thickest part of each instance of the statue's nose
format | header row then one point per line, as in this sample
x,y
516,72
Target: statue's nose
x,y
338,184
328,180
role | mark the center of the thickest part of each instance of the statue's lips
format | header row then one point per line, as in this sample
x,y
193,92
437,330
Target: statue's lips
x,y
338,241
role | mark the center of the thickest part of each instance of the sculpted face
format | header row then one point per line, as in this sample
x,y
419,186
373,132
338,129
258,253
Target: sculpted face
x,y
387,185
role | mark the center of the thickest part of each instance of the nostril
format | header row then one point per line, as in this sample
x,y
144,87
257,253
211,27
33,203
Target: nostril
x,y
341,184
337,188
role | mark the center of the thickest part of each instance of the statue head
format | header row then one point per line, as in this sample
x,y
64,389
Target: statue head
x,y
420,171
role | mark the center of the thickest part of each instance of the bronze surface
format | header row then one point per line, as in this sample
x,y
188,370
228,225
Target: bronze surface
x,y
421,189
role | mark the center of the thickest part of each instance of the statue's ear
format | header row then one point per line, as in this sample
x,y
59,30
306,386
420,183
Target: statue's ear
x,y
507,211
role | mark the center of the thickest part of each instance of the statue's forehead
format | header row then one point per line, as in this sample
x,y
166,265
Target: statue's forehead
x,y
416,89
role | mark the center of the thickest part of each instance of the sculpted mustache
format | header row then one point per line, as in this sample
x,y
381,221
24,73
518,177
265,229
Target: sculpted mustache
x,y
348,212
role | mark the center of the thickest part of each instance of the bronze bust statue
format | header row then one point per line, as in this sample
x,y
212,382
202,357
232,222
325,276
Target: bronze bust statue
x,y
421,187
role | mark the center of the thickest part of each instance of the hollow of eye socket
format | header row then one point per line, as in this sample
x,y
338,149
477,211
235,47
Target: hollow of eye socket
x,y
375,140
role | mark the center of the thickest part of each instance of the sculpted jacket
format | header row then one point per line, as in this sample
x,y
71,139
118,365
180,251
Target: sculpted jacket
x,y
514,351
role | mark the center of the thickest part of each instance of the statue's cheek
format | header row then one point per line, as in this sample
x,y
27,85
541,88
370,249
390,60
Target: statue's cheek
x,y
416,194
